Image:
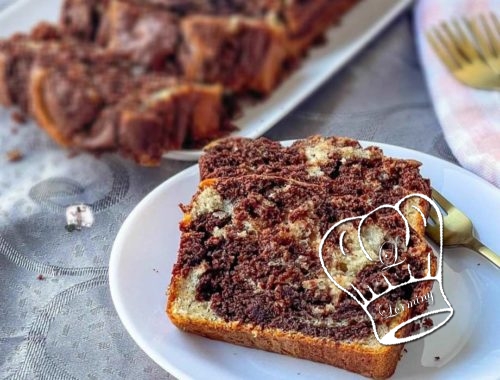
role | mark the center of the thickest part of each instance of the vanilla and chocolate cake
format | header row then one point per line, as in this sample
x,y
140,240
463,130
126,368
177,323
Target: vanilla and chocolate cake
x,y
102,107
88,98
88,81
248,269
338,163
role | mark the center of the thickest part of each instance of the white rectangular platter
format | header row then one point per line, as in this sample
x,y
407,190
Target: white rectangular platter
x,y
358,28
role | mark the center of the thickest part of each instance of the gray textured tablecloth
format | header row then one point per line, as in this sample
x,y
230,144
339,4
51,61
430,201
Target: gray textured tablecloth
x,y
65,325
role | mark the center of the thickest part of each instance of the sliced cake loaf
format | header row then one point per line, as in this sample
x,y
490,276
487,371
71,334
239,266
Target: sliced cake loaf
x,y
102,107
248,269
248,46
84,97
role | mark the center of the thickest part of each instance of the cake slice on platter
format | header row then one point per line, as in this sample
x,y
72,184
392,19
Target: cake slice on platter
x,y
85,97
248,46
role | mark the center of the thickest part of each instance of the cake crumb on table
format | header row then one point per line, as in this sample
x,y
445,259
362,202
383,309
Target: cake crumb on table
x,y
18,117
14,155
428,322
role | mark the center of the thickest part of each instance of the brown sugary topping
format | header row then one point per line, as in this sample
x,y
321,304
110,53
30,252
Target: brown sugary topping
x,y
363,172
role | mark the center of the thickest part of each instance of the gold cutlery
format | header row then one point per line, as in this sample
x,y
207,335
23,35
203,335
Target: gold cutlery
x,y
460,55
457,229
486,32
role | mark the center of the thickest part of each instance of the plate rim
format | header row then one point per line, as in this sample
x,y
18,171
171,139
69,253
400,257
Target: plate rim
x,y
116,254
13,7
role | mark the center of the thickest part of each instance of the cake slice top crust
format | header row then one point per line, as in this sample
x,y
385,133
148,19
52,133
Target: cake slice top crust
x,y
339,163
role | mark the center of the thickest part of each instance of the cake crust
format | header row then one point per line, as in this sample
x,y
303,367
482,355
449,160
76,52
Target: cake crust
x,y
379,363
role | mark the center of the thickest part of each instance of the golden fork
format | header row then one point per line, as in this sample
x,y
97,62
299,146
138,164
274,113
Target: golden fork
x,y
457,229
488,39
459,54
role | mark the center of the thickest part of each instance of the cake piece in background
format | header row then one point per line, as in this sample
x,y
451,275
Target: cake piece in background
x,y
82,18
307,21
158,117
103,107
145,34
243,54
86,97
17,55
247,46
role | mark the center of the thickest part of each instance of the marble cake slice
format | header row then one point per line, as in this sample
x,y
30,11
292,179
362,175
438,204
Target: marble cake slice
x,y
244,54
248,271
306,22
101,107
253,49
155,119
338,163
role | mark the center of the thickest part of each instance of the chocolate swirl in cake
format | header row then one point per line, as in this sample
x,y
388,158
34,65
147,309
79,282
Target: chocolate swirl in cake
x,y
255,225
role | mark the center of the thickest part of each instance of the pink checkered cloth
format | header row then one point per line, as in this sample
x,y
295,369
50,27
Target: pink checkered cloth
x,y
470,118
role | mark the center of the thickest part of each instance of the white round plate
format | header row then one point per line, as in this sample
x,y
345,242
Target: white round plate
x,y
468,347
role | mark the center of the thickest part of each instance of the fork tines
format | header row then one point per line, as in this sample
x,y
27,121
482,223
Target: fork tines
x,y
470,49
486,32
453,45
